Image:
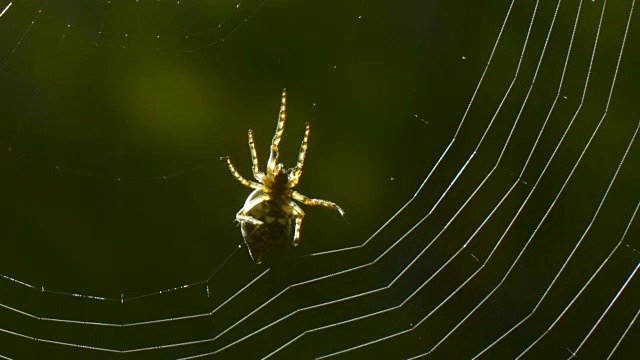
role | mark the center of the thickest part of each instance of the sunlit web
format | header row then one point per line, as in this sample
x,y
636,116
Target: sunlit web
x,y
487,159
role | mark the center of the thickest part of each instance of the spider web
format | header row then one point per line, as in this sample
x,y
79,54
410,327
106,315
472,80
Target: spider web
x,y
487,158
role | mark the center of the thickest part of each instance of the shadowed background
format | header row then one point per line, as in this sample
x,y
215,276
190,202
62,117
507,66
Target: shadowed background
x,y
115,116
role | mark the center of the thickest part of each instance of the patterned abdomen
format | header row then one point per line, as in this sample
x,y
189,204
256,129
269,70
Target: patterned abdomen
x,y
275,233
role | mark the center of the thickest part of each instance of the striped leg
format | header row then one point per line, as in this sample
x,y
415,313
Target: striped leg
x,y
299,214
273,156
254,159
239,177
301,156
316,202
242,215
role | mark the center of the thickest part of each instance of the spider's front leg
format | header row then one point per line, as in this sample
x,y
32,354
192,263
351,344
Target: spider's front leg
x,y
297,171
275,143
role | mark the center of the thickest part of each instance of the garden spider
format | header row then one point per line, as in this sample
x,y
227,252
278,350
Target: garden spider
x,y
269,213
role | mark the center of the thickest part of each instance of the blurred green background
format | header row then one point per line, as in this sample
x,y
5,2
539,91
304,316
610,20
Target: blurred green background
x,y
115,115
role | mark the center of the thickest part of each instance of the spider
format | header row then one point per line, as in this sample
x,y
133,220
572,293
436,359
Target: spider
x,y
269,214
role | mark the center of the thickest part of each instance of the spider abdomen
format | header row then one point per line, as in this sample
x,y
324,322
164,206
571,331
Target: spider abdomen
x,y
275,232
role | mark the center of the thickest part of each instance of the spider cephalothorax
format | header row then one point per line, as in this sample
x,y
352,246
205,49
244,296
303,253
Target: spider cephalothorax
x,y
280,181
269,214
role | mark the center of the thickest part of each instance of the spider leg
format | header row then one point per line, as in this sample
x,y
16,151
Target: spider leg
x,y
297,172
299,215
248,219
316,202
273,156
242,216
239,177
254,159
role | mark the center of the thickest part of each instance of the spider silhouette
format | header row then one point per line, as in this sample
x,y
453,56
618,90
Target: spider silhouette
x,y
270,213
